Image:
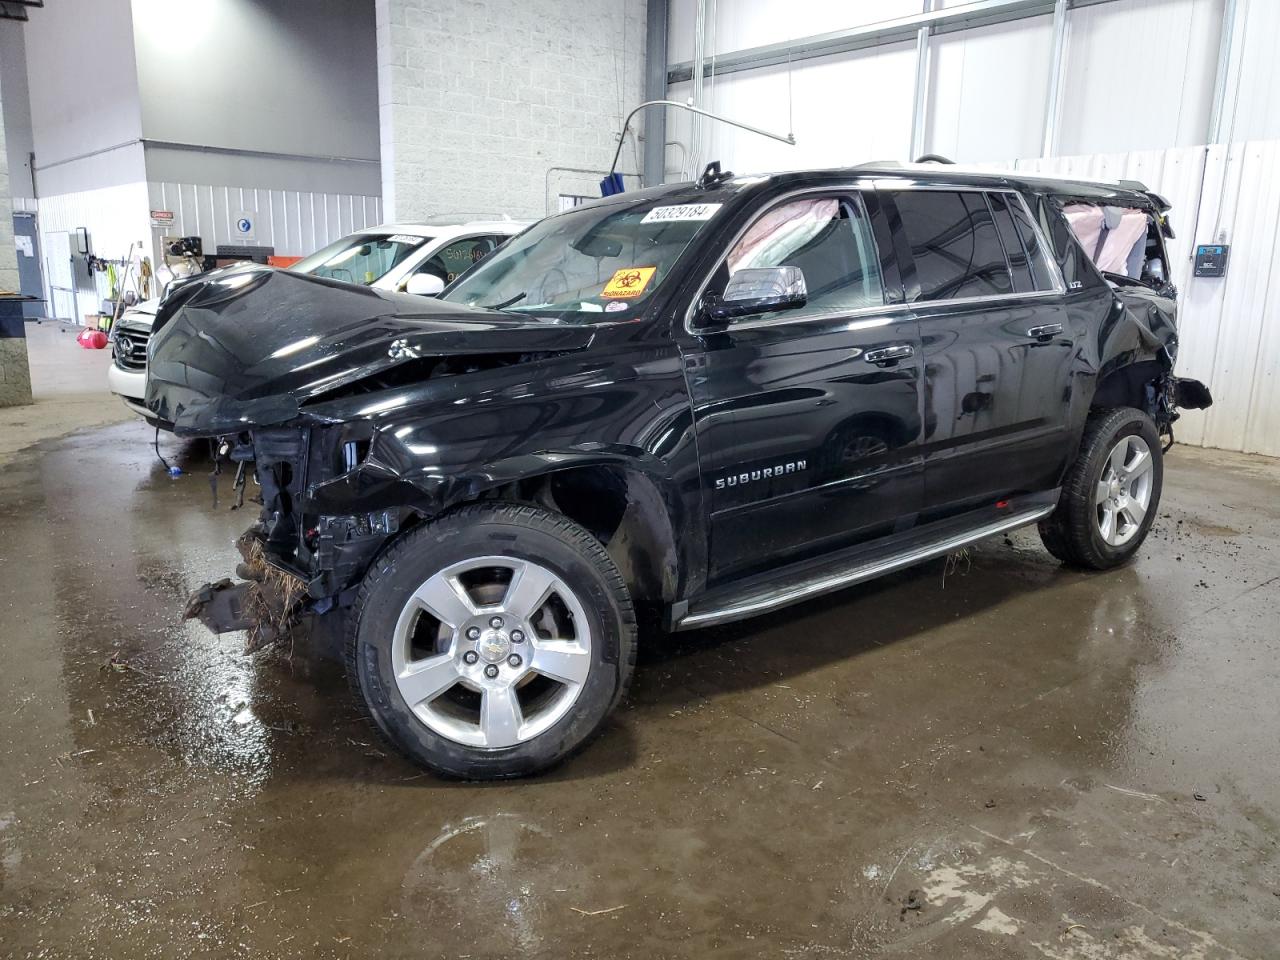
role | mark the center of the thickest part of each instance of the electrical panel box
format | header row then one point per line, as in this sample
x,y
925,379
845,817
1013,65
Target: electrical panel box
x,y
1211,260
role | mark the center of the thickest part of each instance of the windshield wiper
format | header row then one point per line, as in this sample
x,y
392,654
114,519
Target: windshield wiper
x,y
506,303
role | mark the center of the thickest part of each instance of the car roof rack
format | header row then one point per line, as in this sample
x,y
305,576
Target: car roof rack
x,y
934,162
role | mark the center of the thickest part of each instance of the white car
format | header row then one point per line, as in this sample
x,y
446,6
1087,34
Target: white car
x,y
407,257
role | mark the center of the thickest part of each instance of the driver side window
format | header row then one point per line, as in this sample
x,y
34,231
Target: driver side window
x,y
829,239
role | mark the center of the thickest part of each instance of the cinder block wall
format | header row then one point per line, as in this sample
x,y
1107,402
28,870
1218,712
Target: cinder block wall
x,y
480,103
15,375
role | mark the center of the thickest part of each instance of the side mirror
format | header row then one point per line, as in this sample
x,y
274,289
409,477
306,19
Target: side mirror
x,y
424,285
755,290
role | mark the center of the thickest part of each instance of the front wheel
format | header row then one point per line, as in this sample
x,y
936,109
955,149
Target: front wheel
x,y
1110,494
492,642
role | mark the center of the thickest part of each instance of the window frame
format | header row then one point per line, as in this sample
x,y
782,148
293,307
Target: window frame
x,y
887,188
853,192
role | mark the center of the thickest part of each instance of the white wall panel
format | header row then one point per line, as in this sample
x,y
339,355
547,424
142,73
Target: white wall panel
x,y
1139,74
294,223
1254,102
847,109
753,23
975,112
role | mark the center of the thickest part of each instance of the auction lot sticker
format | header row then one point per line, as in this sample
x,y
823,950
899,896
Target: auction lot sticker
x,y
628,282
682,211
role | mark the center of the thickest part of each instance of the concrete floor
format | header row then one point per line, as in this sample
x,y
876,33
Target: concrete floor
x,y
69,384
1016,761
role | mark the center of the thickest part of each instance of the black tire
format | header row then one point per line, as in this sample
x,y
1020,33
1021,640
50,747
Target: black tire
x,y
495,529
1071,533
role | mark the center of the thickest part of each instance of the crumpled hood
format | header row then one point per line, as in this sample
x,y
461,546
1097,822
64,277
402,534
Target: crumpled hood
x,y
249,345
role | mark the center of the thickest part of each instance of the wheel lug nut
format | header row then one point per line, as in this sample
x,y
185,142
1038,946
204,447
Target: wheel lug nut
x,y
514,660
470,656
491,671
473,633
517,636
495,622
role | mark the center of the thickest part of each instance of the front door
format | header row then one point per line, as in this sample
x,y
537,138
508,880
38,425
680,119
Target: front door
x,y
997,347
808,419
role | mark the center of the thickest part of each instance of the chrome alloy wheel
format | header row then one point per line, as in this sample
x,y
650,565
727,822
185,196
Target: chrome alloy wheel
x,y
1123,493
492,651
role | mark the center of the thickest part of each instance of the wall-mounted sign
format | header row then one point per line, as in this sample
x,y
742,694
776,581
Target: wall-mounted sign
x,y
1211,260
244,225
162,218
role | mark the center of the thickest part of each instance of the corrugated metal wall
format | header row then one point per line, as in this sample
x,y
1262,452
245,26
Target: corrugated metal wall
x,y
1229,328
295,223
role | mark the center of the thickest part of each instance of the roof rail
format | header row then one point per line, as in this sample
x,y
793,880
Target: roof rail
x,y
1137,185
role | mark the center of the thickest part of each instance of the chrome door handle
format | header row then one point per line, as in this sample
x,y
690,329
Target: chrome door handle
x,y
1045,331
889,355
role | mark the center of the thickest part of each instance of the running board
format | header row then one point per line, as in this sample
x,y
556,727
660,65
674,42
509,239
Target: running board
x,y
827,580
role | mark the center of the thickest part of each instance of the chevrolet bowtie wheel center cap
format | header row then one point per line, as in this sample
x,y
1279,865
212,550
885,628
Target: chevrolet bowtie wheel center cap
x,y
494,647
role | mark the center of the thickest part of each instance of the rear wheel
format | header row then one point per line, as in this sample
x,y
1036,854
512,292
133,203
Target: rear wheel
x,y
1110,494
493,642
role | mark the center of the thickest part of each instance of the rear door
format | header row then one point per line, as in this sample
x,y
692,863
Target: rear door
x,y
997,345
808,419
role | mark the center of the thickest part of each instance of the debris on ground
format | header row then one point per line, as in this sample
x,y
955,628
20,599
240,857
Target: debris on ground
x,y
597,913
913,902
953,562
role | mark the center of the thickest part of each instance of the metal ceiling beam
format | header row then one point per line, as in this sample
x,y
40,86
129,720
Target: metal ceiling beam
x,y
968,16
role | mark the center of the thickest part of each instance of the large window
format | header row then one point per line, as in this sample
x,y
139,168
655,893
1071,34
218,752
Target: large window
x,y
829,239
603,261
953,239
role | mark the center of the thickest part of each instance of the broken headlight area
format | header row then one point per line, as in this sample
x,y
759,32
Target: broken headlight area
x,y
301,556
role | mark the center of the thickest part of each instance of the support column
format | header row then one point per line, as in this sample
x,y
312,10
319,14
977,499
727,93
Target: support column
x,y
15,374
1057,79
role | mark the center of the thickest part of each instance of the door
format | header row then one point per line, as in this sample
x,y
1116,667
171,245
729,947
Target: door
x,y
997,346
30,279
62,283
808,419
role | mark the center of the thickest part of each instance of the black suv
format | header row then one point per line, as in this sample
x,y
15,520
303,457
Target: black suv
x,y
680,406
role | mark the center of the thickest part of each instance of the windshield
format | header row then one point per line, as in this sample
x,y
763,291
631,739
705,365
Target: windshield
x,y
600,263
361,258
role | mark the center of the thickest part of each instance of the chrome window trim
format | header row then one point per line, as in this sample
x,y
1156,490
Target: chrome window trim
x,y
1059,289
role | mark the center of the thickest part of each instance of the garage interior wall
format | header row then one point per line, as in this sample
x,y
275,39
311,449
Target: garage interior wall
x,y
501,107
1137,101
130,102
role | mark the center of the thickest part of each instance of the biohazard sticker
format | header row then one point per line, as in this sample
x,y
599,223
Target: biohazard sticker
x,y
628,282
682,211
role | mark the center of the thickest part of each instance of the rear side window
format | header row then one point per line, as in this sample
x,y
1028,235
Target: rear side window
x,y
1038,257
955,245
